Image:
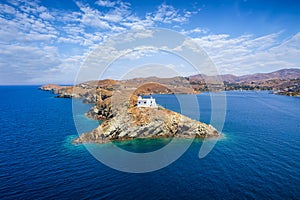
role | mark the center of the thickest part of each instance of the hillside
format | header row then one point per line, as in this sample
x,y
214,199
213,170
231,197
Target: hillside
x,y
285,81
257,77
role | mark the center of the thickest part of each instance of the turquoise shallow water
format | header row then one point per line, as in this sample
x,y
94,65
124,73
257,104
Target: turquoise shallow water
x,y
258,158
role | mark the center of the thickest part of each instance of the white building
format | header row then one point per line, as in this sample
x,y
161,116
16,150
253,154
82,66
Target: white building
x,y
144,102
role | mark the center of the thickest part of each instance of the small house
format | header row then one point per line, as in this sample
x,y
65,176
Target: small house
x,y
146,102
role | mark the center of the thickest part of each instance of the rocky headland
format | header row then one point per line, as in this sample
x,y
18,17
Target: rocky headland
x,y
123,120
116,105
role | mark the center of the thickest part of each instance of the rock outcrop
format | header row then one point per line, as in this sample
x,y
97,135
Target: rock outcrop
x,y
115,105
50,87
64,91
123,120
147,123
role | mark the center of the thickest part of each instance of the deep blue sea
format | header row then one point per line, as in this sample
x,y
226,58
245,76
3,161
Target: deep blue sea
x,y
258,158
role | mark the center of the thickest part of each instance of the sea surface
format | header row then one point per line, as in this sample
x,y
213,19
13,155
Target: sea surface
x,y
258,157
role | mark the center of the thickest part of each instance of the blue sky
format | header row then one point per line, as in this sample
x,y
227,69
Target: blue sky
x,y
47,41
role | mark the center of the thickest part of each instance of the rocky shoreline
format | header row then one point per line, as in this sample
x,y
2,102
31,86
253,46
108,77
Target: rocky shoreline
x,y
123,120
136,122
115,103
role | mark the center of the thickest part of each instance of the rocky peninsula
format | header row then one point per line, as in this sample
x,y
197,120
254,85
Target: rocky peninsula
x,y
116,105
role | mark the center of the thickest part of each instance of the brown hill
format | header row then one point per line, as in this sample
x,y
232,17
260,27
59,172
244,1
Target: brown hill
x,y
258,77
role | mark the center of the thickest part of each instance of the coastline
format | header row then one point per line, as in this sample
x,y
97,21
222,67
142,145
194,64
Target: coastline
x,y
123,120
114,101
115,104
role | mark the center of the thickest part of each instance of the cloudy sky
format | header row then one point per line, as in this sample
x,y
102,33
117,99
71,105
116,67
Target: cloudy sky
x,y
47,41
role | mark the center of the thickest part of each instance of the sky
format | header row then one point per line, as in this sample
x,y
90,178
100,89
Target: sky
x,y
48,41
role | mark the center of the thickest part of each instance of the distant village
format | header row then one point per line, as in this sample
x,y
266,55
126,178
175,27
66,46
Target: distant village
x,y
292,90
289,87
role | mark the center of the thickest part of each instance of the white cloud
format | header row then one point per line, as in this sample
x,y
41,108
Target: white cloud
x,y
46,16
27,61
249,54
195,31
7,9
92,17
38,43
168,14
105,3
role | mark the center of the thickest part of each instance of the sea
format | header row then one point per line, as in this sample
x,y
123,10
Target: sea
x,y
257,157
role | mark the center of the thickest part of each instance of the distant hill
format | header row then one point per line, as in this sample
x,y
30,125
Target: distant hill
x,y
285,81
258,77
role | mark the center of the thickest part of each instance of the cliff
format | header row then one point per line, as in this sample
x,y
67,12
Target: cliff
x,y
147,123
